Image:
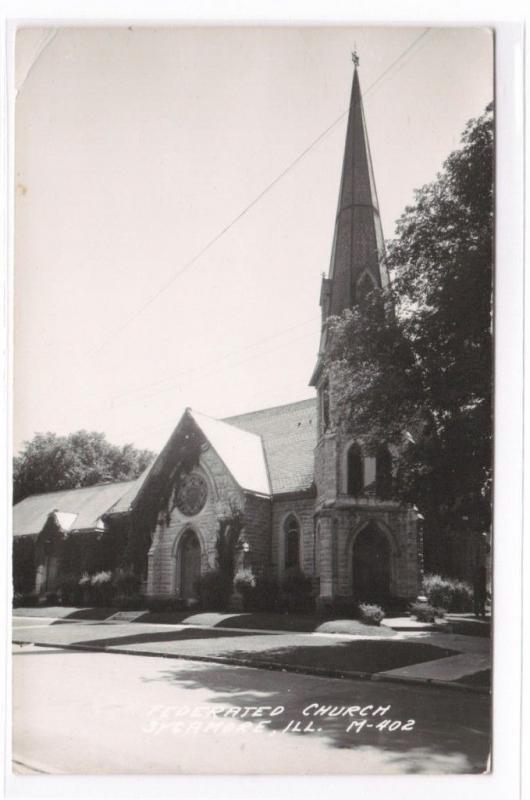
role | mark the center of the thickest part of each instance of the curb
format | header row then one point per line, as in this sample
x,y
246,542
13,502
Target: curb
x,y
254,663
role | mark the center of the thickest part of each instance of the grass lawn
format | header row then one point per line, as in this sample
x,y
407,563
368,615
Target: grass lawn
x,y
367,655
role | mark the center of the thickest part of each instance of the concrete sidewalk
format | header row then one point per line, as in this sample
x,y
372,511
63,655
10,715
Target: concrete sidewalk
x,y
419,656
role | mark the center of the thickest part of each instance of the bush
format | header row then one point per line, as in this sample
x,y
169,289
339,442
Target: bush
x,y
102,588
370,614
70,591
160,603
29,600
126,582
129,602
214,590
264,596
448,593
51,599
296,588
425,612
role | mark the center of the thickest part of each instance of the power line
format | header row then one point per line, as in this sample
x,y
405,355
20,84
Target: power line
x,y
251,205
200,369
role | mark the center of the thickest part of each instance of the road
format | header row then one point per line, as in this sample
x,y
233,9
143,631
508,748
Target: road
x,y
76,712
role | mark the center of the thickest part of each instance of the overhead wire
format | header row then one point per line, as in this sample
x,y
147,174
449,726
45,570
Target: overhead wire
x,y
251,205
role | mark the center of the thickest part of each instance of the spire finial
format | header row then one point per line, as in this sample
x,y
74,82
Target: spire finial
x,y
355,57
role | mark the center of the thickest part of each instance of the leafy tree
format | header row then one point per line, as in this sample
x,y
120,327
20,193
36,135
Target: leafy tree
x,y
416,359
51,462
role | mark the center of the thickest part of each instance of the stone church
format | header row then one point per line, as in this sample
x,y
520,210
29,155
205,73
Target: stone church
x,y
308,497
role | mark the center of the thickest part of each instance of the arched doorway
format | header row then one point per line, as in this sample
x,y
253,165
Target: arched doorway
x,y
371,566
189,565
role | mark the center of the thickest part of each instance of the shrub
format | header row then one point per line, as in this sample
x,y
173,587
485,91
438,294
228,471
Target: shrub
x,y
160,603
126,581
296,587
51,599
245,583
102,587
264,596
214,590
449,593
29,600
423,612
129,602
70,590
370,614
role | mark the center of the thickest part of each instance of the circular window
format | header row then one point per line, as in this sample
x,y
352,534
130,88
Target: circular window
x,y
191,494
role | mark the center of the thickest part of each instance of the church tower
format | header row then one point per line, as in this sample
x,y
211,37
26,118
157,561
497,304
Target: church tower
x,y
366,544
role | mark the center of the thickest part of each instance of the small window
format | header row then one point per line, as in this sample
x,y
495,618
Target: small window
x,y
355,468
292,542
383,473
365,285
324,406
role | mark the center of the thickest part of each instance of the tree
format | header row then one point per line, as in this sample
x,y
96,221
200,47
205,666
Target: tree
x,y
50,462
416,359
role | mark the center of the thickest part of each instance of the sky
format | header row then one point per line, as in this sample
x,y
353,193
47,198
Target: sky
x,y
140,286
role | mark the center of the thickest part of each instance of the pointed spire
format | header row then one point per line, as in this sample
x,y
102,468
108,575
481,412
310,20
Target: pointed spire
x,y
358,245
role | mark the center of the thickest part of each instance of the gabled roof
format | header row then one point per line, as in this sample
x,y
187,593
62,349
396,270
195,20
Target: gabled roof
x,y
240,450
289,435
87,505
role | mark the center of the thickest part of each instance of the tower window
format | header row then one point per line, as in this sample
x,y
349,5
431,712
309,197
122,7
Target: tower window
x,y
324,406
383,472
355,468
291,542
365,285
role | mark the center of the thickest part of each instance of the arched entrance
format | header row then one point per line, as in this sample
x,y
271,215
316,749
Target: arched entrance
x,y
371,566
189,565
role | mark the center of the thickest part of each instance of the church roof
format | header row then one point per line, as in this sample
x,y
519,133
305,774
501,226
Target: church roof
x,y
289,435
86,505
269,451
240,450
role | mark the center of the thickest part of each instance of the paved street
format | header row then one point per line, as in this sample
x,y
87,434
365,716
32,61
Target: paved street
x,y
77,712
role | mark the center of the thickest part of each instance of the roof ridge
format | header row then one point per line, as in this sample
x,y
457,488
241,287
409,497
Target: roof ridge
x,y
268,408
79,488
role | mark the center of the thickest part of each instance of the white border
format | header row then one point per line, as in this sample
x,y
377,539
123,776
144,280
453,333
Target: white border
x,y
504,781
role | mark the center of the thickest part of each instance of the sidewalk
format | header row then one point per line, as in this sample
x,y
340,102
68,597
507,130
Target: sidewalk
x,y
338,649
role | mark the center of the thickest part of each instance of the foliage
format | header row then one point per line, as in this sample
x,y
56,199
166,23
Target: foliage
x,y
263,596
161,603
24,564
70,590
129,602
230,526
214,591
448,593
25,600
126,582
102,590
415,359
50,462
423,612
370,613
245,582
296,587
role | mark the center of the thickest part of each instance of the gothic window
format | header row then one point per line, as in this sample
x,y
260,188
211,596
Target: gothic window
x,y
365,285
355,471
291,530
324,406
383,472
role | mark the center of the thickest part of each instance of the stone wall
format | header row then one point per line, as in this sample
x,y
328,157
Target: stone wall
x,y
303,508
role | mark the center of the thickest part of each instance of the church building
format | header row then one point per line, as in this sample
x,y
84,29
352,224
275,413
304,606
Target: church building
x,y
306,495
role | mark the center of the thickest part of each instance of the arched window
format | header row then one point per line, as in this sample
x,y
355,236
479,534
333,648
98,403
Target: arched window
x,y
383,472
324,406
291,530
355,469
365,285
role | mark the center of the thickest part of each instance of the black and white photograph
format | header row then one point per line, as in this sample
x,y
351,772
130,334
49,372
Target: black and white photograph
x,y
252,420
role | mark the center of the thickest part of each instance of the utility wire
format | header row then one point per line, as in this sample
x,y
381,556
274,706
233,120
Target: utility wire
x,y
251,205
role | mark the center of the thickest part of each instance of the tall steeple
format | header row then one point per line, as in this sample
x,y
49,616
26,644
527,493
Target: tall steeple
x,y
358,245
